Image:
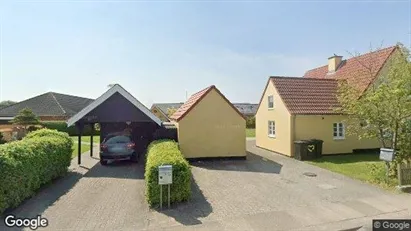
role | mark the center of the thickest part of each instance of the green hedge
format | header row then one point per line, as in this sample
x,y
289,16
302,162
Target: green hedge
x,y
162,152
28,164
72,130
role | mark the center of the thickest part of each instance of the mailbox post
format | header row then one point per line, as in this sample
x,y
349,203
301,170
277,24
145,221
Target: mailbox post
x,y
165,177
388,156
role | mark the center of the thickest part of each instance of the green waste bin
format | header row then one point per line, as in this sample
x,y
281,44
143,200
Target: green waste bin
x,y
318,147
300,149
307,149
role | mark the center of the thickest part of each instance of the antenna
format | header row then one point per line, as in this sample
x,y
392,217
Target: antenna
x,y
186,95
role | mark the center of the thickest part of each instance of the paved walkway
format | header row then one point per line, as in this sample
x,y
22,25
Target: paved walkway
x,y
266,192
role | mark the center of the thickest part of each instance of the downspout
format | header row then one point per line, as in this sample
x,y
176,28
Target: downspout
x,y
292,135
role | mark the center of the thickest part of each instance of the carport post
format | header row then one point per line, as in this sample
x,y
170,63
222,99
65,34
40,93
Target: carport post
x,y
80,129
79,148
91,139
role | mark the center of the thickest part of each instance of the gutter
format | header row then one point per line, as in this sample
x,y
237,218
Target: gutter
x,y
7,118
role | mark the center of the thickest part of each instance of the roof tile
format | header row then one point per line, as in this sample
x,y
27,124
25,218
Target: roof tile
x,y
48,104
195,99
307,96
190,103
360,70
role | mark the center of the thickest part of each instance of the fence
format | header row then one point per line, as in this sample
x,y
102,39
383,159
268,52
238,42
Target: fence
x,y
404,173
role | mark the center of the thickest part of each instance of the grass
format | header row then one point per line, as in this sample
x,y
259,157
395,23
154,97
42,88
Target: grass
x,y
84,148
250,132
96,139
365,167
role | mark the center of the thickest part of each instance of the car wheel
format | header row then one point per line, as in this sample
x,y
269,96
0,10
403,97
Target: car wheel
x,y
103,162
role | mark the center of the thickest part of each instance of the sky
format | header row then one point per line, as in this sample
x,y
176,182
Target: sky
x,y
160,51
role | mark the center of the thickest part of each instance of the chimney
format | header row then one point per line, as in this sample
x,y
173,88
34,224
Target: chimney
x,y
333,63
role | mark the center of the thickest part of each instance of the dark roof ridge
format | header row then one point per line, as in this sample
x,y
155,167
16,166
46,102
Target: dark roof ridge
x,y
57,102
302,78
282,76
53,92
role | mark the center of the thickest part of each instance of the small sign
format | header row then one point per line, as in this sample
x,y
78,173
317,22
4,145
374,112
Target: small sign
x,y
165,174
387,154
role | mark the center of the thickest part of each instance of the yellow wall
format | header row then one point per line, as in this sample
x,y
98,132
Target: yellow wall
x,y
212,129
283,127
321,127
158,113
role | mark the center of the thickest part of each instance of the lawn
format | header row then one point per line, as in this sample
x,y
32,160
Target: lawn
x,y
84,148
96,139
250,132
364,167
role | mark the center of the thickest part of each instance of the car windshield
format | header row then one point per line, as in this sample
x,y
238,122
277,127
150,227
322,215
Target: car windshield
x,y
118,140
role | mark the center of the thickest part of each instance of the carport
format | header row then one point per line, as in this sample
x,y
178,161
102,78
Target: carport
x,y
115,110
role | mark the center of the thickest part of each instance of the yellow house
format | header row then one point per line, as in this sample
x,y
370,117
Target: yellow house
x,y
303,108
210,126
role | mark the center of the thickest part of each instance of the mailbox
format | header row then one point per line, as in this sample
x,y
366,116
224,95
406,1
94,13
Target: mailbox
x,y
165,174
387,154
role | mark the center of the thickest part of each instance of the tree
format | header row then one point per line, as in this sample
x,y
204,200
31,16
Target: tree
x,y
383,111
6,103
171,111
25,118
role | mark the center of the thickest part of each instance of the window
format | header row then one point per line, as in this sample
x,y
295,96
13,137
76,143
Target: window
x,y
271,128
339,131
270,102
117,140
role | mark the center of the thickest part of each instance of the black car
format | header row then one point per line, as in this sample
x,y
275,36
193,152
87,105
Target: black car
x,y
118,147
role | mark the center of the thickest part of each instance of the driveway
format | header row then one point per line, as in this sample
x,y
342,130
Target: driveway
x,y
265,192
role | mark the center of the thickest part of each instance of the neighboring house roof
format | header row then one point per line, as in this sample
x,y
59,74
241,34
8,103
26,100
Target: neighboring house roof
x,y
354,70
244,108
114,89
307,96
163,107
195,99
48,104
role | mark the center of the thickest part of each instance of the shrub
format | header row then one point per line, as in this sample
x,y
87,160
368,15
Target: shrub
x,y
162,152
2,140
72,130
28,164
32,128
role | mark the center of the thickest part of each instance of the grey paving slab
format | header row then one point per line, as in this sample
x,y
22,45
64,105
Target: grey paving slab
x,y
265,192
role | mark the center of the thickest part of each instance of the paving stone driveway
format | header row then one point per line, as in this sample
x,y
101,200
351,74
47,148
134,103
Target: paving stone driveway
x,y
265,192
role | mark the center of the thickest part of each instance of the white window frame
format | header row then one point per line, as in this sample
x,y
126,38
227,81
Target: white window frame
x,y
268,101
271,128
338,131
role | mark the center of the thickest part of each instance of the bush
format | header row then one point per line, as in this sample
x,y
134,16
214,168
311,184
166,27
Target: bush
x,y
162,152
2,140
72,130
250,122
28,164
32,128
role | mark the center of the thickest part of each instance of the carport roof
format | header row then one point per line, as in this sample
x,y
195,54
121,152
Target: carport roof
x,y
115,89
195,99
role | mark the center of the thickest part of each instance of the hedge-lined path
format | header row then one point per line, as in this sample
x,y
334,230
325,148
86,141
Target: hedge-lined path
x,y
266,192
